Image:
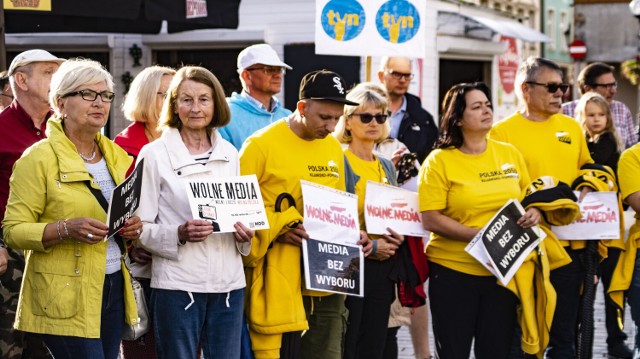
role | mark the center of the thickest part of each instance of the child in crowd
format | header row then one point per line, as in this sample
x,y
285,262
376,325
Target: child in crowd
x,y
594,115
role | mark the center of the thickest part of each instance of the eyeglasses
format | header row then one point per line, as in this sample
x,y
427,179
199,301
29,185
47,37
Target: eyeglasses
x,y
367,117
163,94
270,70
551,88
5,95
400,75
609,86
90,95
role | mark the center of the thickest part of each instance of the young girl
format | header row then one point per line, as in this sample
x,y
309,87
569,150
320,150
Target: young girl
x,y
594,115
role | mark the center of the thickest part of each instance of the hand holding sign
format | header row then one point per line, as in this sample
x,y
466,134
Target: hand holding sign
x,y
242,233
294,236
195,230
132,229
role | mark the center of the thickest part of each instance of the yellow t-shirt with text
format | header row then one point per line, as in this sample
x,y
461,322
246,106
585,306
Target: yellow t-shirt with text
x,y
469,189
555,147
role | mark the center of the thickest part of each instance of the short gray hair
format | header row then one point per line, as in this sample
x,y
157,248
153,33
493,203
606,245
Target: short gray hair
x,y
529,70
74,74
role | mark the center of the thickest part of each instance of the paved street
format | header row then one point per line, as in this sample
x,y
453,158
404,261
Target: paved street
x,y
405,348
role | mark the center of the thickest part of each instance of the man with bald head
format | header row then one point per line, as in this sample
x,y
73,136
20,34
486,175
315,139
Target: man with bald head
x,y
410,123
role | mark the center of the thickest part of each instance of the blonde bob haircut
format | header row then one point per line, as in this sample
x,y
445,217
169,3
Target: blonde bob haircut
x,y
221,113
581,117
74,75
366,94
140,102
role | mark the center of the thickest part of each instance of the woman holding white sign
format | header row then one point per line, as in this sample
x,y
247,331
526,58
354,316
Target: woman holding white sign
x,y
361,128
197,275
74,290
462,184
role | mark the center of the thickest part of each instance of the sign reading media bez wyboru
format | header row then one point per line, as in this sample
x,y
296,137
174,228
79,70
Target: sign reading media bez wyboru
x,y
505,241
333,267
125,199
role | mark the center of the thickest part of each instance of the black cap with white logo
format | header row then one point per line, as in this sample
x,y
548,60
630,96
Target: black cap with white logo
x,y
324,85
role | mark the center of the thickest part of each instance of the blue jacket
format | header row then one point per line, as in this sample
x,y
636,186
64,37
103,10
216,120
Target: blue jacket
x,y
247,118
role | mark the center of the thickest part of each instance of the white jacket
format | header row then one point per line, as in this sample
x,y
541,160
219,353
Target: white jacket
x,y
211,266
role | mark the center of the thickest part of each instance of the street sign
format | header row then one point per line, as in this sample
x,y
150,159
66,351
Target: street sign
x,y
577,50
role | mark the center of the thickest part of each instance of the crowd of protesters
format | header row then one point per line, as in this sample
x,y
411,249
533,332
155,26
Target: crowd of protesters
x,y
66,290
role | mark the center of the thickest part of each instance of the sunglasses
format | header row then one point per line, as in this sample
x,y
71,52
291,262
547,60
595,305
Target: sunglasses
x,y
551,88
270,70
367,117
610,86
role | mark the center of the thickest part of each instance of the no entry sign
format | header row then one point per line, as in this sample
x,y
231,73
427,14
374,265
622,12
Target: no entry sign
x,y
577,50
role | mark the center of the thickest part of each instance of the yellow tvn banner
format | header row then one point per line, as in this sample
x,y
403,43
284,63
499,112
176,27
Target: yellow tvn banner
x,y
36,5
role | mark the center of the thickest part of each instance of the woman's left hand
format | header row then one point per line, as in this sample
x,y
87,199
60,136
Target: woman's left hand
x,y
132,229
242,233
531,218
366,243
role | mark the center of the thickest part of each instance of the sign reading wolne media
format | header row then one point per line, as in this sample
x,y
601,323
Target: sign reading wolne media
x,y
125,199
600,218
502,245
223,201
392,207
332,261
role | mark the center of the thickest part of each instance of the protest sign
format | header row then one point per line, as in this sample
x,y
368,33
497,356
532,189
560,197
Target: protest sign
x,y
332,260
331,267
392,207
226,200
124,201
600,218
502,245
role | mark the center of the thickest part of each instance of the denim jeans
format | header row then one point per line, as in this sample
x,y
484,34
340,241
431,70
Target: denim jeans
x,y
111,325
633,296
214,319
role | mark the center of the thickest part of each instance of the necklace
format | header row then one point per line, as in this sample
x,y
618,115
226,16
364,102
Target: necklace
x,y
89,158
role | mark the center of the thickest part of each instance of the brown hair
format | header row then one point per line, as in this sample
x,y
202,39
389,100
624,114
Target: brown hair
x,y
221,112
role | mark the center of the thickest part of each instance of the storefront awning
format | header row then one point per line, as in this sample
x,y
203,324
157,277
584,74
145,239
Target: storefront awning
x,y
504,27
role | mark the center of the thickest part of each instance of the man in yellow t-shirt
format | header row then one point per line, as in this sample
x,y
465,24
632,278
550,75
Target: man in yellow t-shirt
x,y
280,155
552,145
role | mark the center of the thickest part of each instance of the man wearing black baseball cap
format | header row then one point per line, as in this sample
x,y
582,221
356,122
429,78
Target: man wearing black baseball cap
x,y
295,148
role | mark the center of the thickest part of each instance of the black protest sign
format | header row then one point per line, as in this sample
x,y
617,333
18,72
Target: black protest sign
x,y
332,267
506,242
125,199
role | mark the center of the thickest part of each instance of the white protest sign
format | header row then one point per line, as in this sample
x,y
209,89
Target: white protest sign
x,y
392,207
502,245
330,215
371,27
332,261
226,200
600,218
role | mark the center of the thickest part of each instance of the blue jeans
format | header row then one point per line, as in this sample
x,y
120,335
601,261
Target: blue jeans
x,y
214,319
633,296
111,325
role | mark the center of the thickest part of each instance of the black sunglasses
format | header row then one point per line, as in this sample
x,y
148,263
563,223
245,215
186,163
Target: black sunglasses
x,y
551,88
367,117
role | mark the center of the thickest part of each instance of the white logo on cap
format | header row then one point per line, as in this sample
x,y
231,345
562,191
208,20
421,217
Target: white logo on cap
x,y
338,85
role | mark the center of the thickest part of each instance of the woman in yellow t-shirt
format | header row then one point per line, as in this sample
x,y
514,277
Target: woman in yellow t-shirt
x,y
461,185
361,128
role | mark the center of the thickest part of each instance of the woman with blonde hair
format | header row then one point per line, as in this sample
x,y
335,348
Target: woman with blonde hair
x,y
74,290
361,127
197,274
142,106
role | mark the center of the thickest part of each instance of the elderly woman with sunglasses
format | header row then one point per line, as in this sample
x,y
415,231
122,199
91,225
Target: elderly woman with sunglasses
x,y
360,128
461,186
74,290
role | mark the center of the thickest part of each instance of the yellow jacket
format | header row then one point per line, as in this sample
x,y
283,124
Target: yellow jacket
x,y
531,283
62,287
